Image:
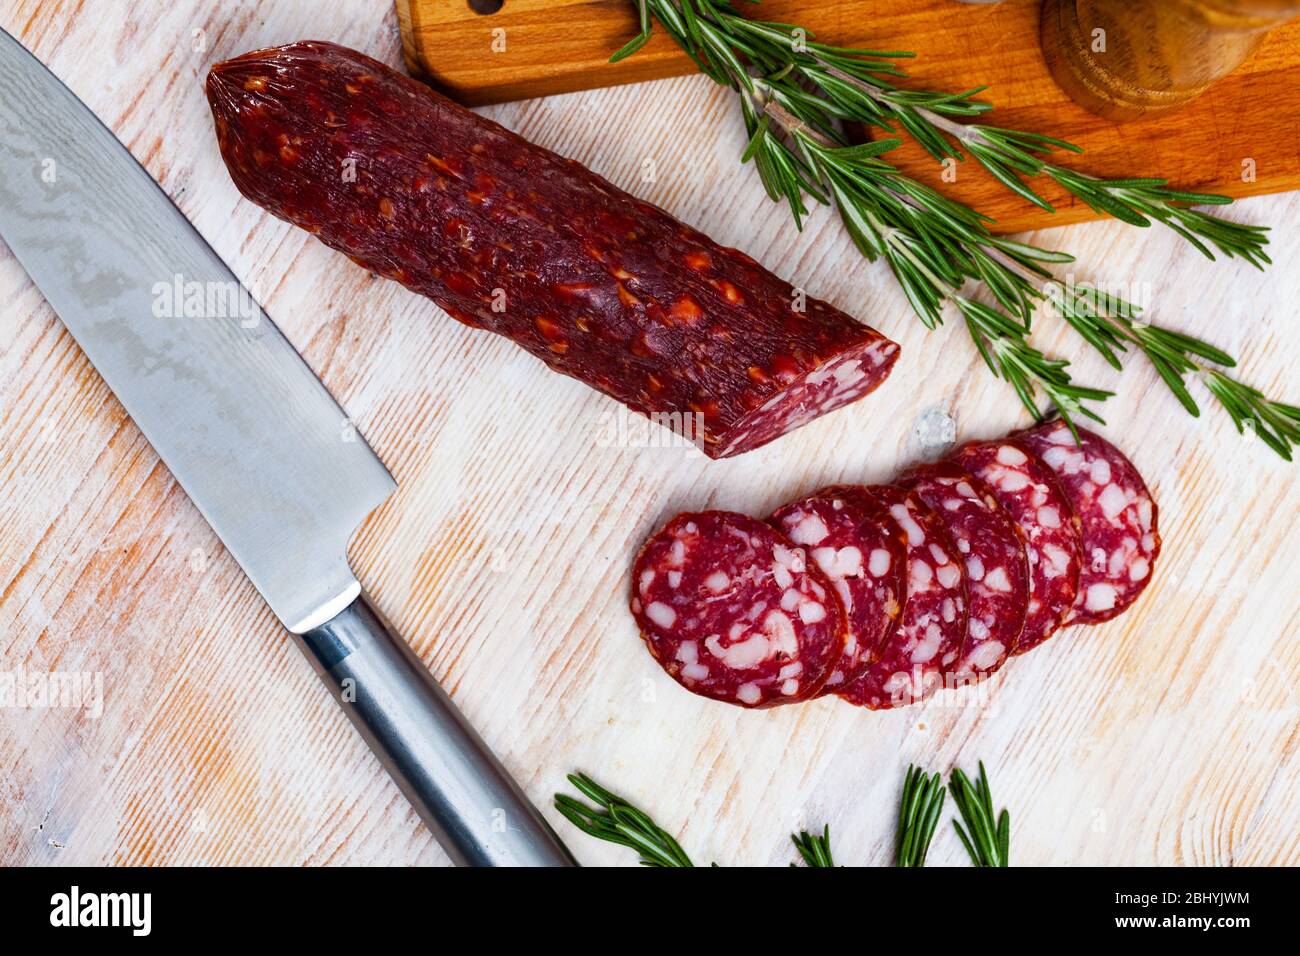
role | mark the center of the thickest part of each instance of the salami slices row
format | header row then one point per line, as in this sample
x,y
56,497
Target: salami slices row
x,y
883,594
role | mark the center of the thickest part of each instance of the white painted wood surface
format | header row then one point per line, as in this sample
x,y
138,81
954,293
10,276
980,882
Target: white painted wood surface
x,y
1168,736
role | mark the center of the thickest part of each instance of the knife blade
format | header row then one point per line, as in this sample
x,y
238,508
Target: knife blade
x,y
249,432
239,418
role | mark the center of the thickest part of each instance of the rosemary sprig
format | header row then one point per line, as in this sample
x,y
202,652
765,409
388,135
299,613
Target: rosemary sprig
x,y
918,815
795,94
617,821
841,84
1110,325
1010,155
988,844
815,850
933,245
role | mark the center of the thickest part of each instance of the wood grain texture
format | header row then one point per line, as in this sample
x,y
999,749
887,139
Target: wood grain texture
x,y
1228,141
1168,736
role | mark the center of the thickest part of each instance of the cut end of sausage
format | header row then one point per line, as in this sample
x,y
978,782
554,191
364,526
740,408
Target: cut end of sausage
x,y
855,372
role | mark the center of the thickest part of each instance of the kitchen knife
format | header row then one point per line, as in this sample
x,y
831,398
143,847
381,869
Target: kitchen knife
x,y
251,435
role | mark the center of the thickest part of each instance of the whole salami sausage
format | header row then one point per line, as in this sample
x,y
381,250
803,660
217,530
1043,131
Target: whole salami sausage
x,y
510,237
1031,495
932,628
1117,514
860,549
997,567
732,610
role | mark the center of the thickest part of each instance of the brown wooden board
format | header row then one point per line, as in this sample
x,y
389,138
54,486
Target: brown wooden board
x,y
1244,127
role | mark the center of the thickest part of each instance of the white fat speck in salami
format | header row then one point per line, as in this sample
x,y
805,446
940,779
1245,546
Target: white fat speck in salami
x,y
1027,490
1117,517
841,526
749,620
997,565
661,614
928,640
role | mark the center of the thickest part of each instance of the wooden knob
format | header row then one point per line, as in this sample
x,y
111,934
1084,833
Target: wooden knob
x,y
1123,59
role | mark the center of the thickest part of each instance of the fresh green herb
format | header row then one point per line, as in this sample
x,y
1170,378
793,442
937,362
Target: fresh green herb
x,y
826,85
933,246
815,850
918,815
617,821
1010,155
988,844
1110,325
795,95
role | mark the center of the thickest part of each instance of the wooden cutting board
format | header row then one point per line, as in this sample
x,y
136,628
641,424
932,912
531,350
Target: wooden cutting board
x,y
1237,139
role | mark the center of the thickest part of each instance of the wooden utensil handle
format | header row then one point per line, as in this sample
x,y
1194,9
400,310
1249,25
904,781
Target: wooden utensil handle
x,y
1127,58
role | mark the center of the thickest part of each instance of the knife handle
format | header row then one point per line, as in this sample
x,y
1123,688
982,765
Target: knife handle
x,y
454,782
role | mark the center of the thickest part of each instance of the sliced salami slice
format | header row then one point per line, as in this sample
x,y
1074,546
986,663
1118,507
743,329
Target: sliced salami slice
x,y
732,610
932,628
861,551
1031,495
1117,518
997,567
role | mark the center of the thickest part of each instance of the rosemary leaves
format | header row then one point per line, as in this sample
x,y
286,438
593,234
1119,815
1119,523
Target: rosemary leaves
x,y
615,820
988,841
918,815
796,95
